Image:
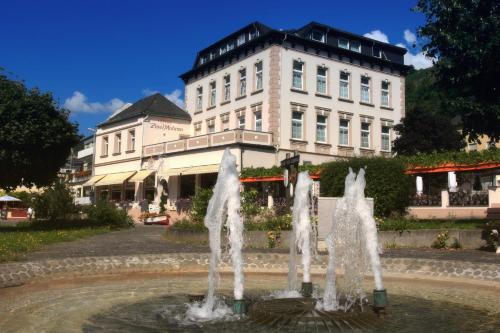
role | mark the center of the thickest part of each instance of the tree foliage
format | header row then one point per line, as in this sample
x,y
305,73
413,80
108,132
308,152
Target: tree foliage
x,y
35,135
422,131
463,36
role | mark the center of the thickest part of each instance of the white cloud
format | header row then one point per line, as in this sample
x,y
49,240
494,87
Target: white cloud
x,y
377,35
120,109
418,60
410,37
149,92
78,103
174,96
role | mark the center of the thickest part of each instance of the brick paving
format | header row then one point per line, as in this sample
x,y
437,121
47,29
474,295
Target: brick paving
x,y
149,240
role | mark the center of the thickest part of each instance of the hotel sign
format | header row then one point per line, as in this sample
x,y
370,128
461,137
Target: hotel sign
x,y
166,127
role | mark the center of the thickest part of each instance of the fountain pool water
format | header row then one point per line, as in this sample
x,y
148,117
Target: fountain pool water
x,y
157,303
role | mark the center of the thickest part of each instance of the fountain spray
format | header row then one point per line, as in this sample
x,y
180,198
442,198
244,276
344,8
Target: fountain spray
x,y
351,242
225,202
302,232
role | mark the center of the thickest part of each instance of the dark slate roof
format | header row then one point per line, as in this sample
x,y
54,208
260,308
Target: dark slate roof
x,y
154,105
393,56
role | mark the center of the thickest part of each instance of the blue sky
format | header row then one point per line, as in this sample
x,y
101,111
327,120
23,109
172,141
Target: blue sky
x,y
96,55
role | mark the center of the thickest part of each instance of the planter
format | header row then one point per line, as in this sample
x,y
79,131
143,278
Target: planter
x,y
161,219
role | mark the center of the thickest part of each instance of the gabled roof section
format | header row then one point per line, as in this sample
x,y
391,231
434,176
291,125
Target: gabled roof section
x,y
154,105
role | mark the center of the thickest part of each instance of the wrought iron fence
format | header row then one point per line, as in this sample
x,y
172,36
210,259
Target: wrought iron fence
x,y
466,199
426,200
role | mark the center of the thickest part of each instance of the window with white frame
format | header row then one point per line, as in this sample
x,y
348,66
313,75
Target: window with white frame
x,y
223,49
355,46
230,46
210,126
365,89
225,122
258,76
298,71
321,128
321,80
197,128
253,34
385,93
297,125
344,43
243,82
118,143
227,88
365,135
199,98
386,138
344,85
258,121
105,146
213,93
240,40
131,140
241,121
318,36
344,132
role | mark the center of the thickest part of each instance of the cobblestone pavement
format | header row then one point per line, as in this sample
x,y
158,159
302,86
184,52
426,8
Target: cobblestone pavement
x,y
150,240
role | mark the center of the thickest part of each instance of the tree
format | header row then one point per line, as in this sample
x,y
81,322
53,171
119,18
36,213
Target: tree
x,y
422,131
463,36
35,135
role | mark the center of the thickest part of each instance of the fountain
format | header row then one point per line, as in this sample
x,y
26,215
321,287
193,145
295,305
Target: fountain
x,y
225,202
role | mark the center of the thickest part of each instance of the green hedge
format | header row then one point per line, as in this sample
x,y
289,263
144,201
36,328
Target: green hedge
x,y
461,157
386,182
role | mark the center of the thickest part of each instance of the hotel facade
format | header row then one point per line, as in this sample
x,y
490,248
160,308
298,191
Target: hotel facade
x,y
262,93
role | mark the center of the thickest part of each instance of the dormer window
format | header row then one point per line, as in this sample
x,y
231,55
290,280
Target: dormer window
x,y
253,34
203,60
318,36
240,40
223,49
356,46
230,46
344,43
376,52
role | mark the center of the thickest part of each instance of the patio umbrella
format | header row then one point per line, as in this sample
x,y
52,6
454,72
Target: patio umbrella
x,y
8,198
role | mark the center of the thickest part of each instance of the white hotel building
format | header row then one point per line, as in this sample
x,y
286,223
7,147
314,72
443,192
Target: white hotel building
x,y
263,93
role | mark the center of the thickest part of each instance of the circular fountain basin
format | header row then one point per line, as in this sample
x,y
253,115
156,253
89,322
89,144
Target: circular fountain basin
x,y
157,303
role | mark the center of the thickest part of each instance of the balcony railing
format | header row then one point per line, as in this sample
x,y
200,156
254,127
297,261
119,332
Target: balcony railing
x,y
85,152
467,199
210,140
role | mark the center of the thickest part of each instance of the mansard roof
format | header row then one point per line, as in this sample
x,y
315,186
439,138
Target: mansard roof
x,y
154,105
257,33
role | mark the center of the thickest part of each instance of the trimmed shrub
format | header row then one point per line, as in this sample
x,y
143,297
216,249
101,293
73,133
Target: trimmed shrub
x,y
386,182
199,204
249,203
104,214
187,225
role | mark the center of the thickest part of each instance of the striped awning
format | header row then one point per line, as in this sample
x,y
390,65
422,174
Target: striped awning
x,y
93,180
199,169
115,178
140,176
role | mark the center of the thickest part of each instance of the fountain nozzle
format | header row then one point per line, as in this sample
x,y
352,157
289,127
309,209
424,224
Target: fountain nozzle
x,y
379,299
307,289
239,306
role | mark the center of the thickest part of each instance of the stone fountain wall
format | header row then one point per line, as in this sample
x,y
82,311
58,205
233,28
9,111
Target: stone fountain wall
x,y
18,273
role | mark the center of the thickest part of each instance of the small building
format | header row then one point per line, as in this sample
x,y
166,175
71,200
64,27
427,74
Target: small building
x,y
81,162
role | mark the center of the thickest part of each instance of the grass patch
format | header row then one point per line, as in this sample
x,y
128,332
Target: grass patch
x,y
15,241
402,224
